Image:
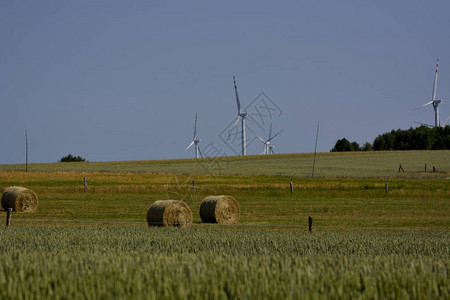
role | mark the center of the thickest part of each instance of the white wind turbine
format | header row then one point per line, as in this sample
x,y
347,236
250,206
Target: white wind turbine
x,y
433,101
195,140
241,115
268,147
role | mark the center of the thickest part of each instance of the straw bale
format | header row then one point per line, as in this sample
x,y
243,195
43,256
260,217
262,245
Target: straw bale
x,y
219,209
20,199
169,213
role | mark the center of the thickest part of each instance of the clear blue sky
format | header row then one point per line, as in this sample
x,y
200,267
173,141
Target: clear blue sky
x,y
122,80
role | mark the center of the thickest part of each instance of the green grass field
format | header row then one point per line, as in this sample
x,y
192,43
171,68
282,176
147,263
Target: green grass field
x,y
365,243
348,164
196,263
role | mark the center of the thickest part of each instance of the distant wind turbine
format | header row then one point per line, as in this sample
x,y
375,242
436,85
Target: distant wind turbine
x,y
268,147
195,140
433,101
241,115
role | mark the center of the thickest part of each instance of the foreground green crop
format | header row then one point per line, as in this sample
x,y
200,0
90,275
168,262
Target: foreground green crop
x,y
171,263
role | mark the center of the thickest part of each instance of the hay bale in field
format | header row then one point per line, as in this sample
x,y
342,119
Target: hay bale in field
x,y
219,209
169,213
20,199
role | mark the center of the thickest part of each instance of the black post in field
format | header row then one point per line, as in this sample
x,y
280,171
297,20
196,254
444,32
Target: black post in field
x,y
310,223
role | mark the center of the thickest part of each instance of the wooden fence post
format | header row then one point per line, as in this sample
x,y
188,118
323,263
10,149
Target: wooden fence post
x,y
386,187
8,217
193,184
292,187
85,184
310,223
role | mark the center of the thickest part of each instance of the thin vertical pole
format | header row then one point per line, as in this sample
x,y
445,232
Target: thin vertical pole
x,y
26,151
310,220
315,149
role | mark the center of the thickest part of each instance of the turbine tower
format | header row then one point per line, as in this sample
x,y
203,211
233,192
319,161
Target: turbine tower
x,y
268,148
195,140
241,115
433,101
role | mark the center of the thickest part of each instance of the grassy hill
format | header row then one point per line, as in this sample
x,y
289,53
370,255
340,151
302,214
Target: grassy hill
x,y
343,164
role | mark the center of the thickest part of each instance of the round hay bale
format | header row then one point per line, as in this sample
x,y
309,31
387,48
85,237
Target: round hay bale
x,y
169,213
219,209
20,199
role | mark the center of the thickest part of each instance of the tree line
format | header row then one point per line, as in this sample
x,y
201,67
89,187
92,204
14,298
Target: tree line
x,y
419,138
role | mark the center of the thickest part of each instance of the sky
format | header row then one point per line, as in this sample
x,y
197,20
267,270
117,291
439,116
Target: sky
x,y
123,80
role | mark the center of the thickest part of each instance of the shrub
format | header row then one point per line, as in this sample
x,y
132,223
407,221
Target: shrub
x,y
71,158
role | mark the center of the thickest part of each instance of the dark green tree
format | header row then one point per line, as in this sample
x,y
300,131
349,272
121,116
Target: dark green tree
x,y
420,138
355,146
71,158
367,147
342,145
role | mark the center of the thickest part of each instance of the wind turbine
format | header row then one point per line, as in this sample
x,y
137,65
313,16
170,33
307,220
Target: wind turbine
x,y
195,140
241,115
268,148
433,101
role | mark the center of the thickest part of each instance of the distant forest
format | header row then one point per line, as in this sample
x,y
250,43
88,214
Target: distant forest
x,y
419,138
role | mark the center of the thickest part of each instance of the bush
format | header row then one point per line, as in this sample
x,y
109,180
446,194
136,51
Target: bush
x,y
345,145
71,158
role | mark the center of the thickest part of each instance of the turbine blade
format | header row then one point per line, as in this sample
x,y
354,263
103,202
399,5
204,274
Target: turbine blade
x,y
428,103
195,127
234,126
190,145
435,81
254,133
201,154
237,96
275,135
424,124
270,131
443,124
262,140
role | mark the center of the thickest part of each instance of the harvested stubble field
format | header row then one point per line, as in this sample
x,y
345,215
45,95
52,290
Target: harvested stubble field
x,y
127,259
